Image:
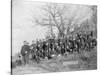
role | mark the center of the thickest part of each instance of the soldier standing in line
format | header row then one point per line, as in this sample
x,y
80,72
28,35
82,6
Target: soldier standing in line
x,y
25,50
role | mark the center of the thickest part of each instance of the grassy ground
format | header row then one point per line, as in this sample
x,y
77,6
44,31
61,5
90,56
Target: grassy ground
x,y
88,60
71,62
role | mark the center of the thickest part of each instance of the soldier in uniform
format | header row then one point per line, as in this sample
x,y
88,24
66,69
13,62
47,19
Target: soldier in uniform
x,y
25,50
63,48
33,49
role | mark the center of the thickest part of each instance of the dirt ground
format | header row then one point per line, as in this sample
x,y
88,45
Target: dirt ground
x,y
71,62
57,64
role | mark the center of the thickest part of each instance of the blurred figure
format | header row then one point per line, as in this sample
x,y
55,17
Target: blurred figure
x,y
25,50
19,60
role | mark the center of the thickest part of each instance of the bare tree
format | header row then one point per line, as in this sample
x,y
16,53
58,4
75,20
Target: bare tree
x,y
54,17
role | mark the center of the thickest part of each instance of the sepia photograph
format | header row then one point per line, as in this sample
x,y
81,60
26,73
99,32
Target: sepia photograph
x,y
49,37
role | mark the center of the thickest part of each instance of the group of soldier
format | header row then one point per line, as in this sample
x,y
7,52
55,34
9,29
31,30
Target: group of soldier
x,y
46,49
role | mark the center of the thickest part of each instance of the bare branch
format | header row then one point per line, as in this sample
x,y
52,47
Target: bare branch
x,y
43,24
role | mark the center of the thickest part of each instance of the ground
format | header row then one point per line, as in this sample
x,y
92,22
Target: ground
x,y
71,62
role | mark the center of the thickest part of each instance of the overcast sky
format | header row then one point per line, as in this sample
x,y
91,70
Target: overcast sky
x,y
24,29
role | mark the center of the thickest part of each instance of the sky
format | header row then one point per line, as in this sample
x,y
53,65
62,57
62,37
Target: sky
x,y
23,26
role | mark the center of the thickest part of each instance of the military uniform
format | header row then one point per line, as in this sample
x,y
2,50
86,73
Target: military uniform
x,y
25,53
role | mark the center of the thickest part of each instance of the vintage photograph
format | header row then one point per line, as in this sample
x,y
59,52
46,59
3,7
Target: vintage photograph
x,y
52,37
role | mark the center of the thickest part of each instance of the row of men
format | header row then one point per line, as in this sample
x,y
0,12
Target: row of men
x,y
50,47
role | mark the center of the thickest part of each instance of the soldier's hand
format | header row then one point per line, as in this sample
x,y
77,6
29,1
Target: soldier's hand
x,y
26,52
